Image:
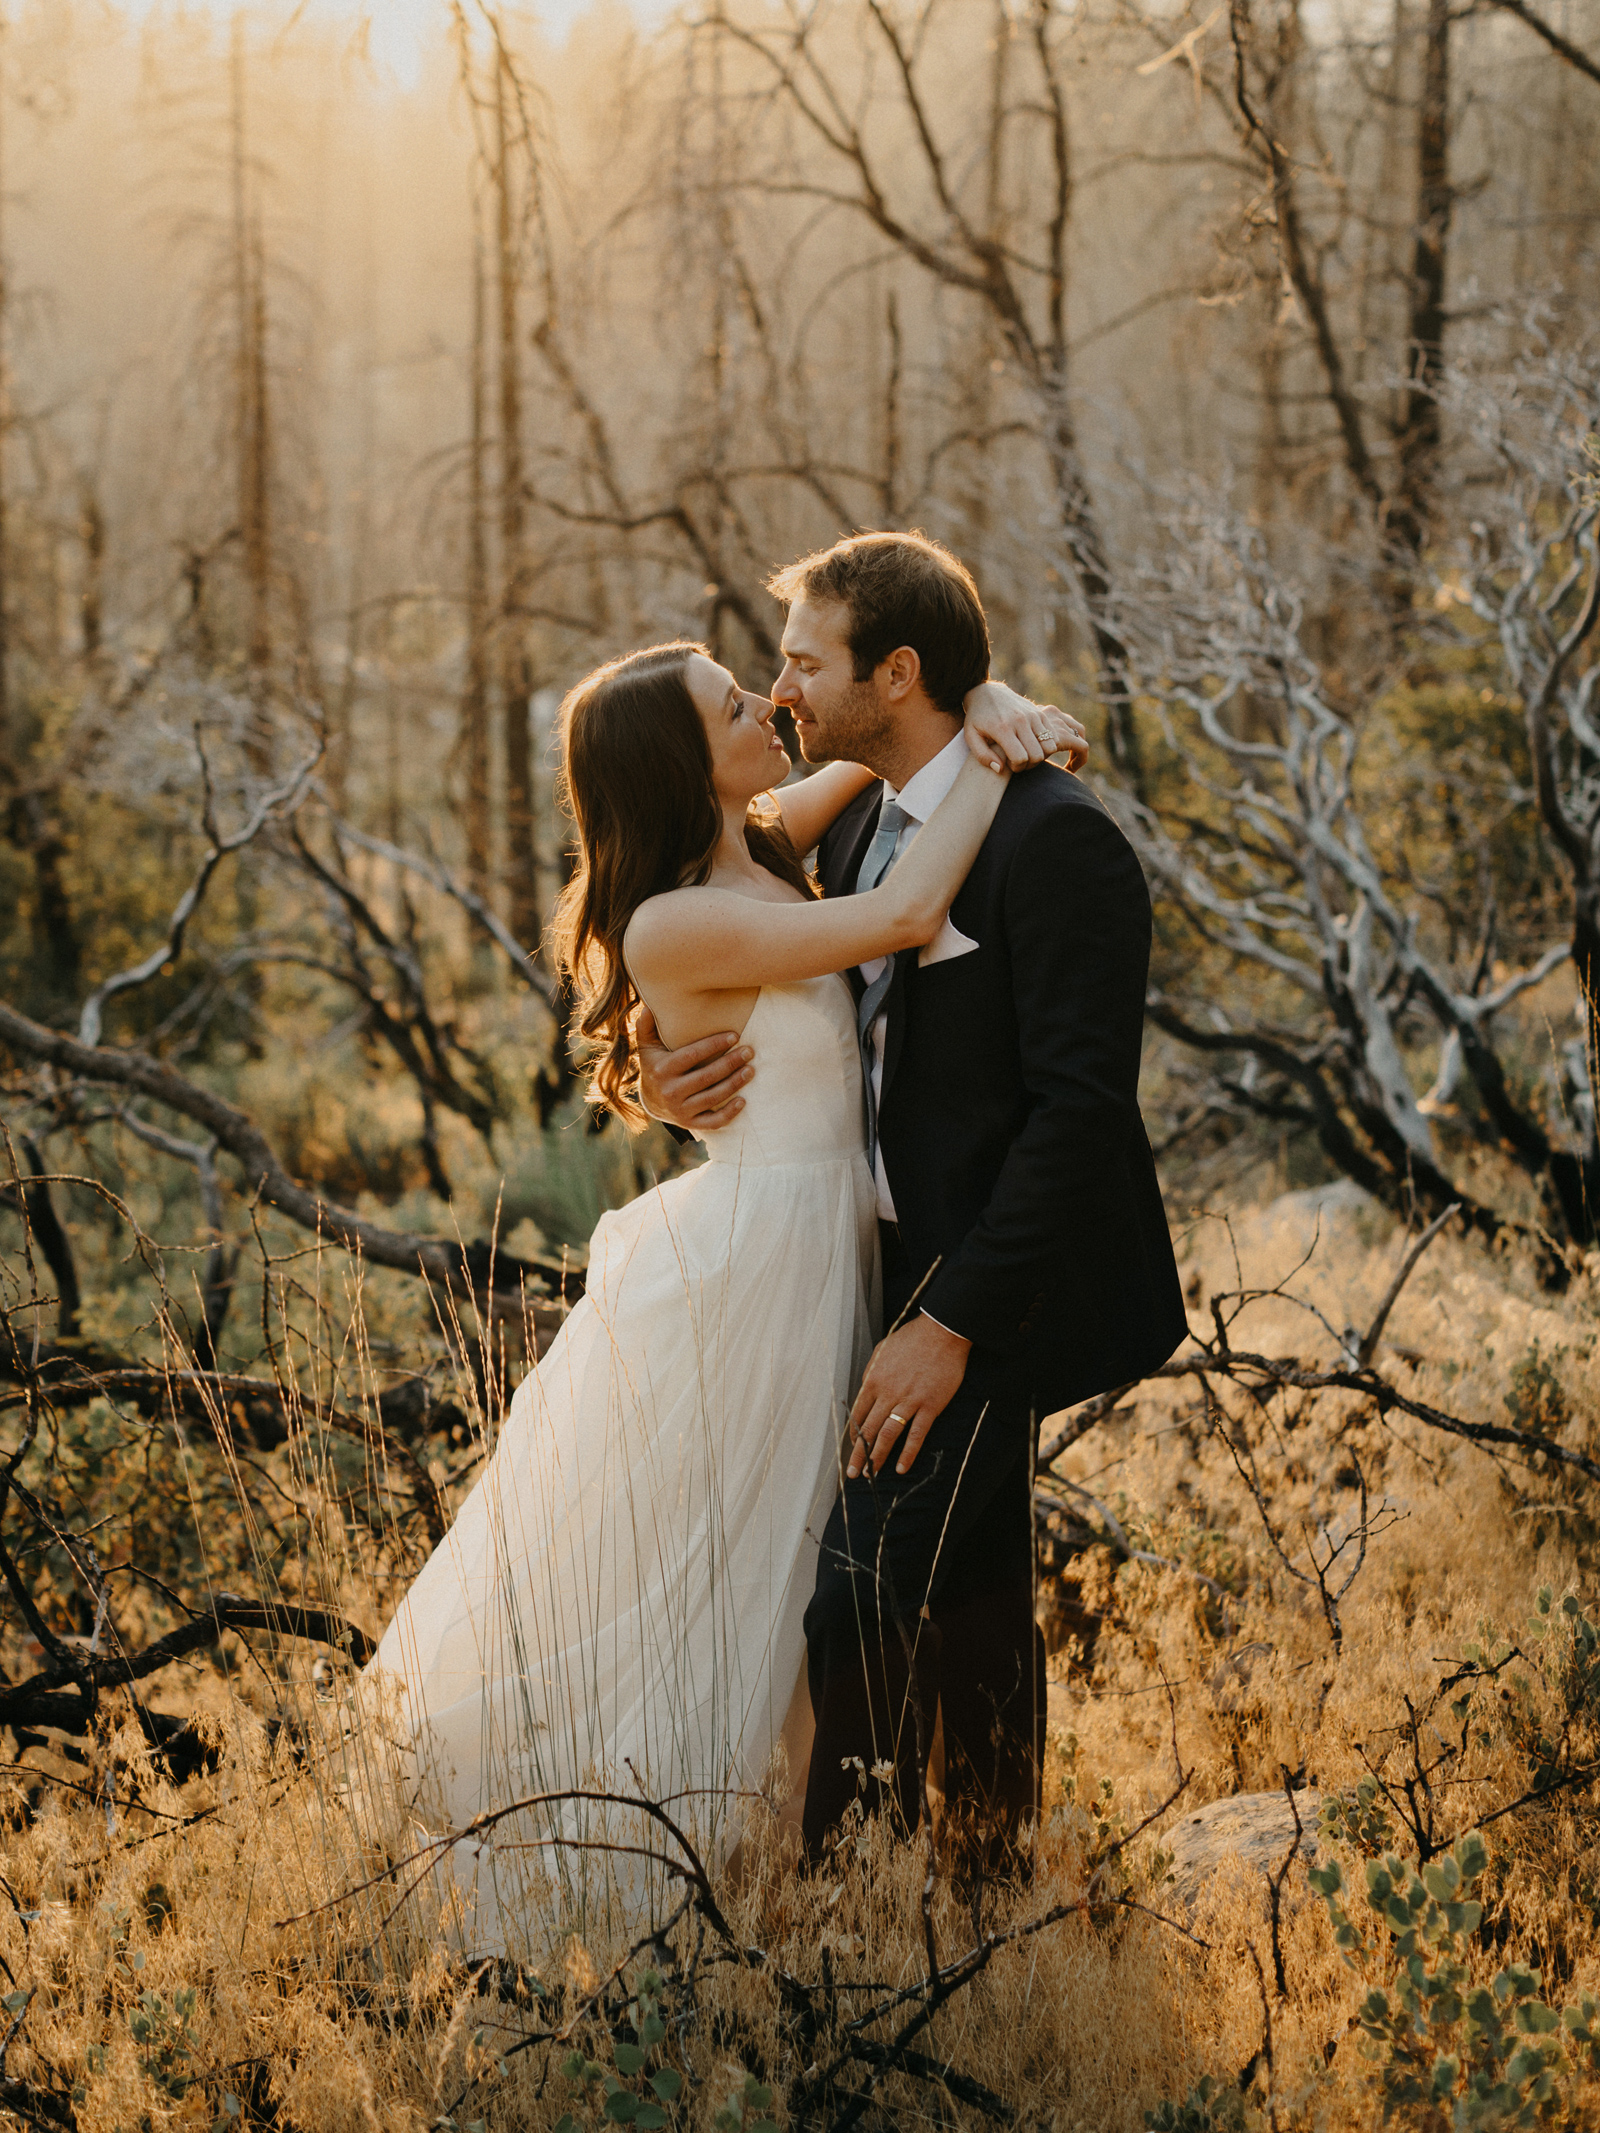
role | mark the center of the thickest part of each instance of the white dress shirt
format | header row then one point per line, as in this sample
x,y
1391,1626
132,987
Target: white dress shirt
x,y
922,795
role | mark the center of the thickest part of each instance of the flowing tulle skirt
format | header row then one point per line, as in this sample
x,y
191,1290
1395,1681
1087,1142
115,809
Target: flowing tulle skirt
x,y
619,1604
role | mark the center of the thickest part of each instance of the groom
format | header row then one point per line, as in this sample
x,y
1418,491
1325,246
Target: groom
x,y
1026,1259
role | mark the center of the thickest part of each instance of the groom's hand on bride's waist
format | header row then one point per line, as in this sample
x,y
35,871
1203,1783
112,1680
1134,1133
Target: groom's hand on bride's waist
x,y
915,1373
696,1086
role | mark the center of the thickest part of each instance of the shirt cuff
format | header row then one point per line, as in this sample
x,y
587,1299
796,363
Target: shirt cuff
x,y
943,1328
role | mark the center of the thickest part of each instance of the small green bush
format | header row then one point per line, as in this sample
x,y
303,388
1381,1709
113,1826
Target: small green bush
x,y
1449,2053
633,2093
1538,1399
1210,2107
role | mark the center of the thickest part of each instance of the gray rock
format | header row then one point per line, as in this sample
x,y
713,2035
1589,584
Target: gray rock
x,y
1343,1197
1256,1828
1058,1706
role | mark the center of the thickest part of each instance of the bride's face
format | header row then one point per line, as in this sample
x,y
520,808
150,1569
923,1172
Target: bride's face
x,y
746,755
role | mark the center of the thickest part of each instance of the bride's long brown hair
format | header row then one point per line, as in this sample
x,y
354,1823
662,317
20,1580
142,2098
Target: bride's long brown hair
x,y
636,778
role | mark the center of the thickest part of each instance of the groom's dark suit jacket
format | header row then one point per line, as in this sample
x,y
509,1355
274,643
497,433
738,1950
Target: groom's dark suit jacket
x,y
1009,1119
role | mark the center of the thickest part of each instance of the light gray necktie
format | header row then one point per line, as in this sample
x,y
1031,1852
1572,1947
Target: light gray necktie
x,y
880,858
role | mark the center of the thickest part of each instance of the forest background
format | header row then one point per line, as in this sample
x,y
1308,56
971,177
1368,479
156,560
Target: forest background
x,y
1247,356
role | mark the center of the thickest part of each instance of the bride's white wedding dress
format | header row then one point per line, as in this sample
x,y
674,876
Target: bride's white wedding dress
x,y
620,1601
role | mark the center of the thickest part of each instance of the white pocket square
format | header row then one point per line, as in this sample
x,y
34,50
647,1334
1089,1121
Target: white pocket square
x,y
946,945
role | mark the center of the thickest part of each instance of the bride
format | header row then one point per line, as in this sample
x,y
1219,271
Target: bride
x,y
619,1604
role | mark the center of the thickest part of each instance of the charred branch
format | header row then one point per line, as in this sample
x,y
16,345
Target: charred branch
x,y
30,1197
405,1023
63,1694
279,799
1563,47
222,1260
438,1258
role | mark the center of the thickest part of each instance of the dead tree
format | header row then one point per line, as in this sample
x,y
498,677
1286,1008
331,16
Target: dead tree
x,y
924,205
1362,291
1386,405
1350,962
8,768
681,512
1528,570
473,738
507,161
513,144
759,436
252,425
28,811
1420,434
91,599
1264,68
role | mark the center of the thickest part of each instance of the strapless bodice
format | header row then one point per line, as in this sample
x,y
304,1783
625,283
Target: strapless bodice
x,y
805,1103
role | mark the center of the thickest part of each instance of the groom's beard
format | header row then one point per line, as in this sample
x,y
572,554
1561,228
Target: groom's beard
x,y
858,729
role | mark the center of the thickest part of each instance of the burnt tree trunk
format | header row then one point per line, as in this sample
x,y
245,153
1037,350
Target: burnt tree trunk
x,y
252,437
516,674
1419,438
91,600
474,718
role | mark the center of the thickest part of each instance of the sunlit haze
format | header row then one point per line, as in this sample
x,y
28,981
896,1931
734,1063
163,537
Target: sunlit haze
x,y
395,34
417,1486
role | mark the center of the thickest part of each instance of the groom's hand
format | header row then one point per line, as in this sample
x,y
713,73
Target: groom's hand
x,y
695,1086
915,1373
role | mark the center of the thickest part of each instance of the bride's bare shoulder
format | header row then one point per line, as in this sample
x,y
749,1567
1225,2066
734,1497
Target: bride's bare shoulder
x,y
690,921
666,922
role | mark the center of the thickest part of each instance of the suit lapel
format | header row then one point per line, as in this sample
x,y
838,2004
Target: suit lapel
x,y
846,844
968,903
839,861
894,1039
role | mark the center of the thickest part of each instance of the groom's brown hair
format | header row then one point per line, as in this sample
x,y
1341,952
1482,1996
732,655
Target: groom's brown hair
x,y
899,588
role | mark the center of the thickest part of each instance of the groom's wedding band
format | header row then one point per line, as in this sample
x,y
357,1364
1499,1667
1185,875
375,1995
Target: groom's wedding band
x,y
899,1418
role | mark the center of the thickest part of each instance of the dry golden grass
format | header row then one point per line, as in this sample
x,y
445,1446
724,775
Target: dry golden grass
x,y
327,1987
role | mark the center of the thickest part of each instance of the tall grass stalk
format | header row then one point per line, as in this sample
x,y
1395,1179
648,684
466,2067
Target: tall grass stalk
x,y
274,1942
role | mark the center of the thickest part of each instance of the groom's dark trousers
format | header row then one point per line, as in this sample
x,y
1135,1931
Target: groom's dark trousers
x,y
1028,1207
924,1602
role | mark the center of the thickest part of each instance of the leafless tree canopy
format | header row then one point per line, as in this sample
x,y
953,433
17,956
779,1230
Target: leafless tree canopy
x,y
1244,354
356,397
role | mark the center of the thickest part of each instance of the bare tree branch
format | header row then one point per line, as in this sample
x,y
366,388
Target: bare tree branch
x,y
1573,54
281,798
443,1259
1391,1296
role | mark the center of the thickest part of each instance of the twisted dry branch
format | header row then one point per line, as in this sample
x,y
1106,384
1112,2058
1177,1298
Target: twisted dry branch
x,y
443,1259
61,1693
1270,1374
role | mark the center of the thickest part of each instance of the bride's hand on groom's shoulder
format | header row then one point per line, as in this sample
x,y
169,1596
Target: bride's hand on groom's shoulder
x,y
1003,726
695,1087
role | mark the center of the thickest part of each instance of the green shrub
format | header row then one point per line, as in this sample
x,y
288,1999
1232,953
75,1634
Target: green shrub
x,y
1448,2052
1538,1399
1209,2107
635,2093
